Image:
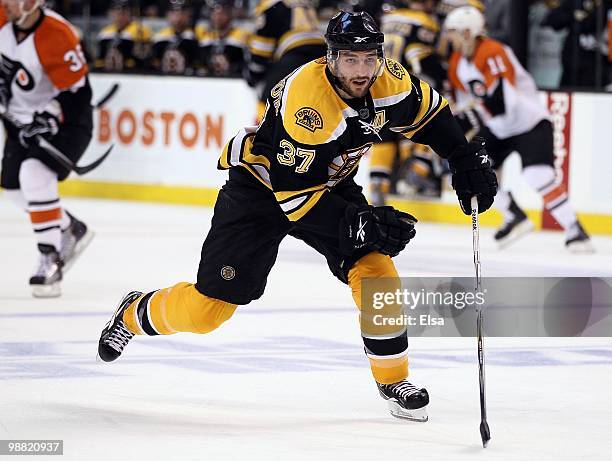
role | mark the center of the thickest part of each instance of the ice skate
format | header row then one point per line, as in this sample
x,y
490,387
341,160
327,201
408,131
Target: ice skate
x,y
115,335
74,240
46,280
514,228
405,400
578,241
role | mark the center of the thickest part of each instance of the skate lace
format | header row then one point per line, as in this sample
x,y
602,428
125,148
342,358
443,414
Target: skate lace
x,y
119,337
404,389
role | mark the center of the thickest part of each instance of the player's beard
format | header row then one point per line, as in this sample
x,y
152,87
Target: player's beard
x,y
355,87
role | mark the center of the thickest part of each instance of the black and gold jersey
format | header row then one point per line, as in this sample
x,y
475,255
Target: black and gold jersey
x,y
124,49
282,26
411,38
224,54
175,52
311,139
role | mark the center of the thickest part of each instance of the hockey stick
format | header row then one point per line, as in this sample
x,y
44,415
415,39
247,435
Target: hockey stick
x,y
54,152
485,433
109,94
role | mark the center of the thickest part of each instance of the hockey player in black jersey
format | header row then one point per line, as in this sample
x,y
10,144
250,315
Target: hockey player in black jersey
x,y
294,175
411,37
287,37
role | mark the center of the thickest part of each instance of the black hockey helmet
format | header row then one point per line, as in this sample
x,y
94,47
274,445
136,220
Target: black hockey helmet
x,y
354,31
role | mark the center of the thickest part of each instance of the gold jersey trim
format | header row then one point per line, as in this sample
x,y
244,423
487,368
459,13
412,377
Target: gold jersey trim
x,y
296,38
410,17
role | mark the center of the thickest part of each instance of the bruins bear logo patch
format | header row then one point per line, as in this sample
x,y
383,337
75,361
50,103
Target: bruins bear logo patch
x,y
308,118
396,69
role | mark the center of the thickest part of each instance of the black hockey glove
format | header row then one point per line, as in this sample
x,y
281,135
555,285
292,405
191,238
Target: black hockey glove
x,y
383,229
472,175
45,124
6,76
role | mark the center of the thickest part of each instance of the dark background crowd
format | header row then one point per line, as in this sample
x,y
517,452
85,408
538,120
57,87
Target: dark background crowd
x,y
563,43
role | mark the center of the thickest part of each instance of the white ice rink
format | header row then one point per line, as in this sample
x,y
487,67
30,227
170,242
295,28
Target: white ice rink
x,y
286,377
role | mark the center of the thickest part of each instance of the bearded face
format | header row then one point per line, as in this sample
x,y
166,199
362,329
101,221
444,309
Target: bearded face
x,y
355,71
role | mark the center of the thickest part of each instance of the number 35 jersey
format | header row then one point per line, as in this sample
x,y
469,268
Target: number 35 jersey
x,y
311,139
48,61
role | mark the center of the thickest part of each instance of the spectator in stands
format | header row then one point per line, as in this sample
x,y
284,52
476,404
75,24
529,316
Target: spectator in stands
x,y
583,47
497,16
125,43
223,47
175,48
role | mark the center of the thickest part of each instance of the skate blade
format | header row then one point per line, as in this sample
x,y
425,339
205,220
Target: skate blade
x,y
419,415
46,291
584,247
78,249
519,231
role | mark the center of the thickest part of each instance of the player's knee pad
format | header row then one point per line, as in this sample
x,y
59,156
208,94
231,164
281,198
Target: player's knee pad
x,y
372,266
38,182
206,314
383,156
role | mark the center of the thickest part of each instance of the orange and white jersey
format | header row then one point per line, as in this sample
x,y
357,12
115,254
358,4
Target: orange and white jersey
x,y
48,61
495,83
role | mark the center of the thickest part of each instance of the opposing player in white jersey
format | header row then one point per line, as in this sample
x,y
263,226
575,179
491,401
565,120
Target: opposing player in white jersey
x,y
501,103
44,88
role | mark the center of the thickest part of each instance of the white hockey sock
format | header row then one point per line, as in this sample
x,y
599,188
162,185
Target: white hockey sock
x,y
555,196
39,187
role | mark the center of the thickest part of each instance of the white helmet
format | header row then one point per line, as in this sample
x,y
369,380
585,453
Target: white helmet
x,y
466,18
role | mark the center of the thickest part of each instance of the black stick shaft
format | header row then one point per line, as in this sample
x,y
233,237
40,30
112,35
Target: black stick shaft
x,y
57,154
485,433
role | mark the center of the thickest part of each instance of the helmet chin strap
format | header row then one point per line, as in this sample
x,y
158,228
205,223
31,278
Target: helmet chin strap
x,y
25,14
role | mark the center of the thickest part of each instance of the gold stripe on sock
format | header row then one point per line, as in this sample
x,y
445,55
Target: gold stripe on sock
x,y
130,318
389,371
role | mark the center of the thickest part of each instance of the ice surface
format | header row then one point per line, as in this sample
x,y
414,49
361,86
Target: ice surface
x,y
286,377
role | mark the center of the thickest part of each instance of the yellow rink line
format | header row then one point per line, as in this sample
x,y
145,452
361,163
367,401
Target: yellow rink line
x,y
426,210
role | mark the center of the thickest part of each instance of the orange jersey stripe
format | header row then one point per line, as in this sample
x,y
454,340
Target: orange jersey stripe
x,y
38,217
493,62
453,63
59,52
3,18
